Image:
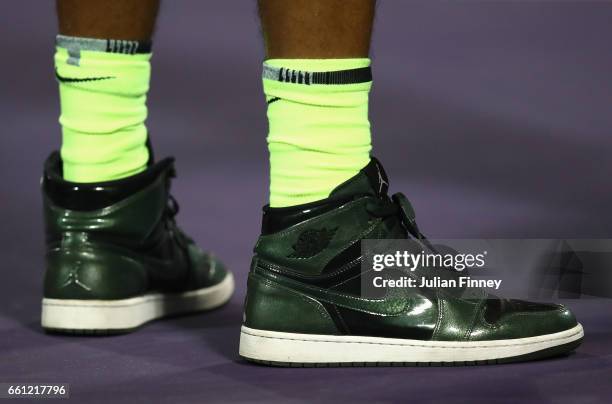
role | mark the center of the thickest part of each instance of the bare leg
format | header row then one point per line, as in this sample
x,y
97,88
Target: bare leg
x,y
304,29
116,19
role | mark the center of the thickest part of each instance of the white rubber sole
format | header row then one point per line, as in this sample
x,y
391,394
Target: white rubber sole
x,y
125,314
286,349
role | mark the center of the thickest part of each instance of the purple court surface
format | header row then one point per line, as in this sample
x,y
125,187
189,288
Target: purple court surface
x,y
493,117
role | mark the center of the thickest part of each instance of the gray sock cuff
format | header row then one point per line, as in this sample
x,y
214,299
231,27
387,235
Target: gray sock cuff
x,y
74,45
351,76
103,45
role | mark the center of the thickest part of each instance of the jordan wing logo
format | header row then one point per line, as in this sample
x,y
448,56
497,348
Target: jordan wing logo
x,y
73,278
311,242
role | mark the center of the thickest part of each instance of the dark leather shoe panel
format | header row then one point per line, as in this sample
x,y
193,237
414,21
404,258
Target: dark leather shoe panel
x,y
129,221
416,323
496,308
207,270
307,247
93,272
456,318
274,307
522,324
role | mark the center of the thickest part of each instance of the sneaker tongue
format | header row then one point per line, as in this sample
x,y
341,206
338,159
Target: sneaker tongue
x,y
371,180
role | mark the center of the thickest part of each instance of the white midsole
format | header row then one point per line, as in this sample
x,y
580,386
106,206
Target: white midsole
x,y
119,314
311,348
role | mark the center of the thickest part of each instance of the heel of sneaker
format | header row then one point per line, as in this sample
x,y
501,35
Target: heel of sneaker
x,y
112,316
272,306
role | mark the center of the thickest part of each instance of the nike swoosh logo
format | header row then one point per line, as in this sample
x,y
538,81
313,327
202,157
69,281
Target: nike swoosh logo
x,y
395,303
64,79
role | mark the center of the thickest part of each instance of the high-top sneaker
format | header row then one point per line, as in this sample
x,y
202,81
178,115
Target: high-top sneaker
x,y
116,258
304,305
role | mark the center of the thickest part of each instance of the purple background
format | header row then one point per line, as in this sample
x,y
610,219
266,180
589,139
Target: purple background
x,y
493,117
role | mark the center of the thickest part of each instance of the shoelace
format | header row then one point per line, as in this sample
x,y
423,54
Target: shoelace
x,y
399,206
172,209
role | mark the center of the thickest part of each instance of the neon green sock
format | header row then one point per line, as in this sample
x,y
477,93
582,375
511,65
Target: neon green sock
x,y
319,132
103,86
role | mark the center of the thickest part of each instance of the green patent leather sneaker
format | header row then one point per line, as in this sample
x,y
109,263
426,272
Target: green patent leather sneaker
x,y
116,258
304,305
